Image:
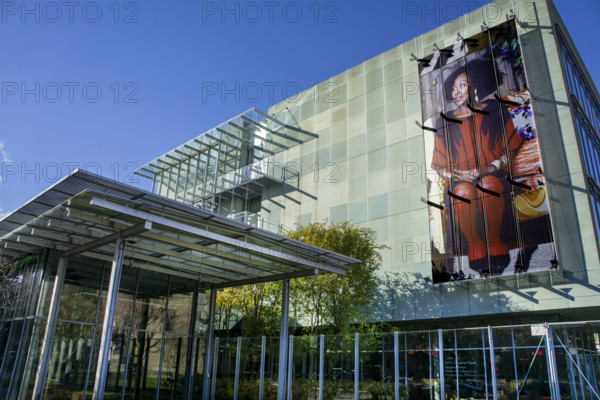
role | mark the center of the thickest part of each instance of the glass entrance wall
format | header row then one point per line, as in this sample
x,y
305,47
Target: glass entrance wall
x,y
157,345
153,355
26,288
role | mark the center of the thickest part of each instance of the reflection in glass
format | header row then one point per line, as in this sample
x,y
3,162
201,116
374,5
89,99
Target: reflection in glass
x,y
69,360
339,366
172,378
225,375
305,368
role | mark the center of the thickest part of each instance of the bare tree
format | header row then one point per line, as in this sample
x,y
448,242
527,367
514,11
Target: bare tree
x,y
10,282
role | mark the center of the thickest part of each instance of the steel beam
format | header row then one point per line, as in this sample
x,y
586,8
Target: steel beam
x,y
238,258
212,235
268,278
271,131
280,145
131,231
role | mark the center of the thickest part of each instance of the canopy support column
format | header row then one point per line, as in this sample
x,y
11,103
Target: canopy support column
x,y
210,336
59,280
283,339
109,318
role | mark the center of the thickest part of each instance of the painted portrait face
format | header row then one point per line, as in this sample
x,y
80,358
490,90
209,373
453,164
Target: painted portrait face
x,y
460,90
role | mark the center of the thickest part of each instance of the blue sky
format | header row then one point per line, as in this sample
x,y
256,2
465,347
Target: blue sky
x,y
110,85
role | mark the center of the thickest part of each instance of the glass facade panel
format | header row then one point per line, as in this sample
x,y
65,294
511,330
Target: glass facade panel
x,y
78,303
180,305
505,372
473,369
140,361
225,376
10,351
338,378
272,367
249,377
371,357
586,113
419,378
69,360
118,363
172,379
305,368
24,389
532,373
148,365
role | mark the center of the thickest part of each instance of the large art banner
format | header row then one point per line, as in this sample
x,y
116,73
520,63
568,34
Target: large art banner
x,y
488,205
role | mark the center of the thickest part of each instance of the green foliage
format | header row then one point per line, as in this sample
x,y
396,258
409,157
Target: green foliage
x,y
224,389
326,304
332,302
254,304
384,390
248,390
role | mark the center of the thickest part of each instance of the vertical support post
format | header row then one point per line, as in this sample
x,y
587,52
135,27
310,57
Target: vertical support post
x,y
236,378
290,365
492,363
456,365
95,330
573,384
430,358
213,382
261,384
130,336
514,354
109,318
441,364
321,365
396,368
356,366
210,337
191,347
551,360
283,339
59,280
162,340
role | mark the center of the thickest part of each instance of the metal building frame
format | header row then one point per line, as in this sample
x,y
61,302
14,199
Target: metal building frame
x,y
88,215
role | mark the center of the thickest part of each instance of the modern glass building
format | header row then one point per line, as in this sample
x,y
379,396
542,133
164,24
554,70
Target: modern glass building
x,y
115,289
486,194
472,150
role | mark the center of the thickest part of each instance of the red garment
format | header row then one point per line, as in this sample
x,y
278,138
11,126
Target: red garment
x,y
476,142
